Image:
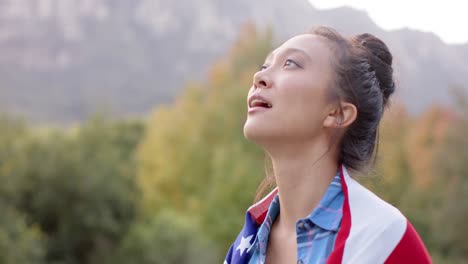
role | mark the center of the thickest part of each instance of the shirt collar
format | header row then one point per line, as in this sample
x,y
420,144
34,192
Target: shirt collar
x,y
329,211
272,213
327,215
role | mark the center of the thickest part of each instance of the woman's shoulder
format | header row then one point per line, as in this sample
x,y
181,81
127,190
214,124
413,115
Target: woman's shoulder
x,y
373,229
367,206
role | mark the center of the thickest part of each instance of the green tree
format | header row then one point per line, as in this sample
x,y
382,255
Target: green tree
x,y
166,238
20,243
78,187
449,226
194,158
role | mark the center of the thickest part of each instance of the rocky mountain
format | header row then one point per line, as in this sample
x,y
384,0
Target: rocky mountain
x,y
62,60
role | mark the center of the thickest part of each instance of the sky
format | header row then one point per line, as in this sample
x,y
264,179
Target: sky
x,y
448,19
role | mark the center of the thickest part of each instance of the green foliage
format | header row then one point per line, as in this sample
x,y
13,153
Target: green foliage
x,y
166,238
78,187
194,158
12,149
449,226
19,243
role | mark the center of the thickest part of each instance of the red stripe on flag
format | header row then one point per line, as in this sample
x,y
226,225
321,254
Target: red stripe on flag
x,y
337,254
410,249
259,210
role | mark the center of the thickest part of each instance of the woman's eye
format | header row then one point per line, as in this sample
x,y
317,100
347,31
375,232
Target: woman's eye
x,y
261,68
290,62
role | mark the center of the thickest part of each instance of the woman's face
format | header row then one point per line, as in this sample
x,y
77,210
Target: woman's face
x,y
294,83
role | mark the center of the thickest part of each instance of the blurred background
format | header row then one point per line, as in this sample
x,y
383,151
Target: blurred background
x,y
121,123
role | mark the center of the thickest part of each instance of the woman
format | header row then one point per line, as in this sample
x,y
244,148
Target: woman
x,y
315,106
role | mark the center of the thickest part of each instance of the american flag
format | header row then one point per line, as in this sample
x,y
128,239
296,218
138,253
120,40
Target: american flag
x,y
239,251
372,231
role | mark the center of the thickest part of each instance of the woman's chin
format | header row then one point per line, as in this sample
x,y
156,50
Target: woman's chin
x,y
256,133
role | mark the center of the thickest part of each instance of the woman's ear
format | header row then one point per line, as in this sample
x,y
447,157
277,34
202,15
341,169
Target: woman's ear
x,y
341,117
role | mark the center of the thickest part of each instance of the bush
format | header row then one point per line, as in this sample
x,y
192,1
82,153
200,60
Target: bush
x,y
165,238
77,186
19,243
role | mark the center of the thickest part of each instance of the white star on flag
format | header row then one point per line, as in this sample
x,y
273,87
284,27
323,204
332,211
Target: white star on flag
x,y
244,244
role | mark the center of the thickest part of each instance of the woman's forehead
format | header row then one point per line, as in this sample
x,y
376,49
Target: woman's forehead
x,y
308,43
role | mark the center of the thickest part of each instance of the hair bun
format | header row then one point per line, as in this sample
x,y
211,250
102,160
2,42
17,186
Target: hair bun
x,y
380,60
376,46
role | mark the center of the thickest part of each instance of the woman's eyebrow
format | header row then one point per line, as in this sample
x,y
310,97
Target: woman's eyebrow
x,y
288,50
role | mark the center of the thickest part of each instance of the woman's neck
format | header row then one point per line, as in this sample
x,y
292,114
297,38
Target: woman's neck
x,y
303,174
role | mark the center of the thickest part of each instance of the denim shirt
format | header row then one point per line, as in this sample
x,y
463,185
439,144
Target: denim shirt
x,y
315,234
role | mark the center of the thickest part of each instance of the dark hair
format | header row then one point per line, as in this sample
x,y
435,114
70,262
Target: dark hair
x,y
364,77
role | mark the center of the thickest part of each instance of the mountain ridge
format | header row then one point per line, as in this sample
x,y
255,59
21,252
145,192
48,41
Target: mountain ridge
x,y
61,60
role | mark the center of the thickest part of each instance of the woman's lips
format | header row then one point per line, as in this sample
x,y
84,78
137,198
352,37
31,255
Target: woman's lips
x,y
257,103
257,109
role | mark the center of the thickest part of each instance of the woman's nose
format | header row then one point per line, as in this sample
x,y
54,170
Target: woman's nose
x,y
261,80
